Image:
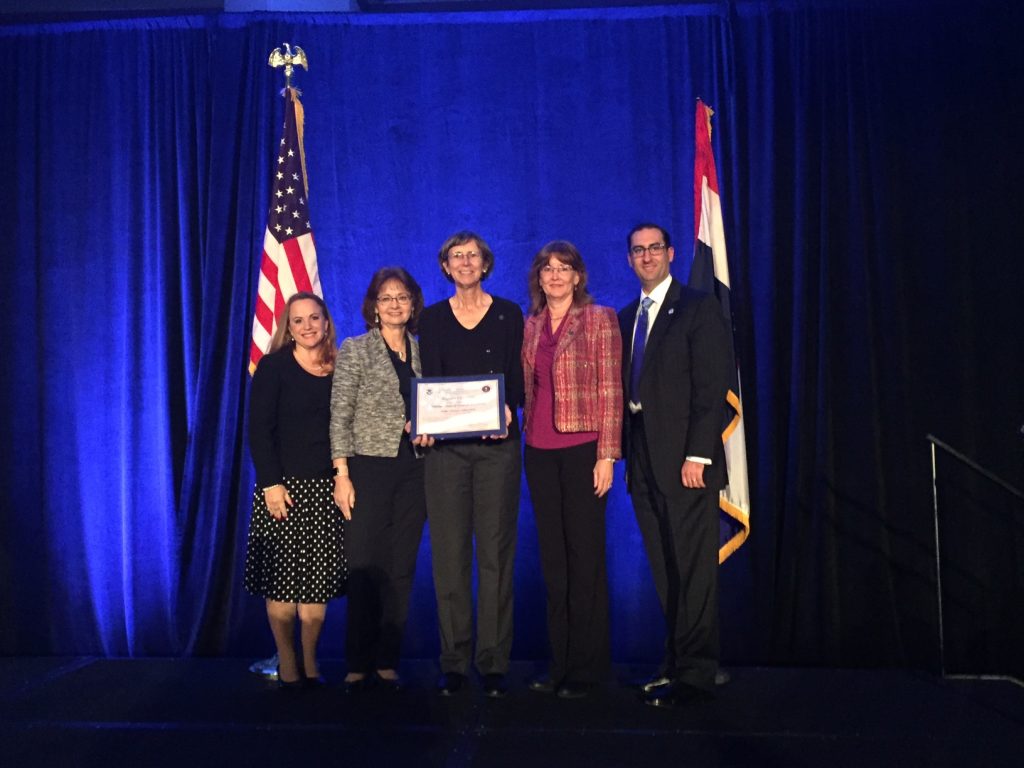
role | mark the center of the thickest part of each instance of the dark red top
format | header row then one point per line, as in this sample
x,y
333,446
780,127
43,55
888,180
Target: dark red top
x,y
540,431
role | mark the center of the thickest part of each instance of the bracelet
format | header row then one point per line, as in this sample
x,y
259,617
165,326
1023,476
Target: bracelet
x,y
275,485
341,471
608,459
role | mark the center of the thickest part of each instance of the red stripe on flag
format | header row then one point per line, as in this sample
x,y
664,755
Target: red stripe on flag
x,y
279,302
704,162
297,264
269,269
264,315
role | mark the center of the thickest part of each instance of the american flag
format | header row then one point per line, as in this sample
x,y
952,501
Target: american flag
x,y
289,254
710,272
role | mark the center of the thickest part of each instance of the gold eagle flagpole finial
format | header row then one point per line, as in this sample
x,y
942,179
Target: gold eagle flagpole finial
x,y
289,60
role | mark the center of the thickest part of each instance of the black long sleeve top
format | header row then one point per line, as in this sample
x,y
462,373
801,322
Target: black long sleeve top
x,y
447,348
289,420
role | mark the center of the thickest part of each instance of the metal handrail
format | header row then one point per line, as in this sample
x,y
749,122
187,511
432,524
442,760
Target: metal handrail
x,y
938,565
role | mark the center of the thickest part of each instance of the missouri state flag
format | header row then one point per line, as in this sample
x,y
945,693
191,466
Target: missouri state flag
x,y
710,272
289,254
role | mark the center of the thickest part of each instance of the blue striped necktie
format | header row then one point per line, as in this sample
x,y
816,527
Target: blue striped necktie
x,y
639,342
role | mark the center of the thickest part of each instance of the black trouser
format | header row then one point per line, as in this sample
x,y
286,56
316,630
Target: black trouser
x,y
473,493
381,543
571,533
680,532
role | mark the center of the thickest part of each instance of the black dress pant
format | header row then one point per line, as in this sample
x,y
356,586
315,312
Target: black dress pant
x,y
571,533
679,527
473,497
381,543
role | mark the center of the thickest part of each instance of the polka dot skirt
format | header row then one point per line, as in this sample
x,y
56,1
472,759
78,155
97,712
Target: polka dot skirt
x,y
301,559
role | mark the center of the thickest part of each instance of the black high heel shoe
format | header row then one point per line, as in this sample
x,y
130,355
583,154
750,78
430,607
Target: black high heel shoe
x,y
389,683
314,682
359,685
289,685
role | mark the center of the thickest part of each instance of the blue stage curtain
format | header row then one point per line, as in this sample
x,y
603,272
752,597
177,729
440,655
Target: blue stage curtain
x,y
870,172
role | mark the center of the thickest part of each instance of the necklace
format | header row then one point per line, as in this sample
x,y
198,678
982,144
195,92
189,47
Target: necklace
x,y
400,351
317,369
556,319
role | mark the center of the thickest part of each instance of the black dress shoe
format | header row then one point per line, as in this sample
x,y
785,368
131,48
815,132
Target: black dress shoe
x,y
572,691
658,681
363,683
542,684
289,685
495,686
676,694
450,683
314,682
394,684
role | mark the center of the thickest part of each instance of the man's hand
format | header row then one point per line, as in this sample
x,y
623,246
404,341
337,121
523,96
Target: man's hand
x,y
693,474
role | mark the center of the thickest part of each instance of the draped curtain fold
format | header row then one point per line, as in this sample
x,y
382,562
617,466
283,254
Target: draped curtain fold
x,y
870,172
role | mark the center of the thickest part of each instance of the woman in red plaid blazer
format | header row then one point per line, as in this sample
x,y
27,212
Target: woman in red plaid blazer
x,y
572,369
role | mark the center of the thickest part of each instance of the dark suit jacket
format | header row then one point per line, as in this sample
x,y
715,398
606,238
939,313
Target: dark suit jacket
x,y
683,383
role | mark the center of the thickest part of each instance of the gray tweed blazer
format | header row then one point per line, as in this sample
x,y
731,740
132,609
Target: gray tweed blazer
x,y
367,411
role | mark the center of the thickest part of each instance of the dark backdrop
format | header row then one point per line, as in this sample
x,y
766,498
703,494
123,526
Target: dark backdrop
x,y
870,172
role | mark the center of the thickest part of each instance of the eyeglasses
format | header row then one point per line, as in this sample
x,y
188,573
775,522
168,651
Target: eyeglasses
x,y
401,299
562,269
655,249
464,256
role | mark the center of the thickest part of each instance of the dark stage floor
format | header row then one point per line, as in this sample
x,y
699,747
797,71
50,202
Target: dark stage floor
x,y
199,712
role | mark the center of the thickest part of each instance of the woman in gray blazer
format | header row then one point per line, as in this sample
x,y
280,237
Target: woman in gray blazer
x,y
378,475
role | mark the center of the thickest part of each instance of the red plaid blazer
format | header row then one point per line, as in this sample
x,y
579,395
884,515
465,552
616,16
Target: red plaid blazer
x,y
587,373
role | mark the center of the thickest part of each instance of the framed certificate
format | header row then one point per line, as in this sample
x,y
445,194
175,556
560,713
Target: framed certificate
x,y
447,407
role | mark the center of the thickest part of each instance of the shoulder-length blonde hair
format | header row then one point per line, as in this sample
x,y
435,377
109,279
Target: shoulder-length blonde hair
x,y
566,253
328,347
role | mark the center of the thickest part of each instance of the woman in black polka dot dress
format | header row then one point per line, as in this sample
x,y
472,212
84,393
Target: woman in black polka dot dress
x,y
295,557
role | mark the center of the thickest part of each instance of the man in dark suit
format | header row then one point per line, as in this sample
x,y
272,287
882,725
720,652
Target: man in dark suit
x,y
675,376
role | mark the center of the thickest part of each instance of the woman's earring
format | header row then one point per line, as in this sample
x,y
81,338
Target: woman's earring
x,y
376,317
